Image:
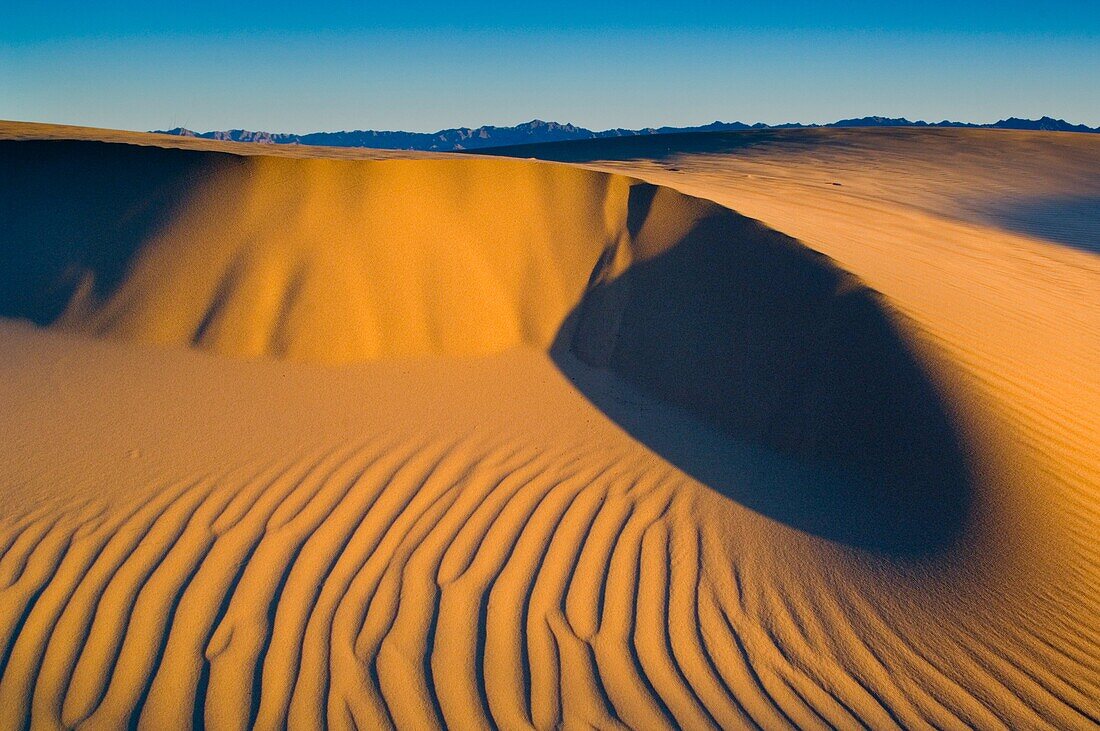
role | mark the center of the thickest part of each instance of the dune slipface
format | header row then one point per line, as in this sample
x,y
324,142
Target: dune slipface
x,y
478,442
319,260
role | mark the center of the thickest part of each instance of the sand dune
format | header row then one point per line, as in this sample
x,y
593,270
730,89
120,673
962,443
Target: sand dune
x,y
506,443
319,260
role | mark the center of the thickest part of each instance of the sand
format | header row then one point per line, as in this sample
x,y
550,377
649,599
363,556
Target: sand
x,y
330,438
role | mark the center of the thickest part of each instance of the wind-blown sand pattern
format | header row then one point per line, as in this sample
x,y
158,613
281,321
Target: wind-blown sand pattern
x,y
502,443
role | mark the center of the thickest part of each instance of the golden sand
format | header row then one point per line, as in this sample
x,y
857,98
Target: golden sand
x,y
494,442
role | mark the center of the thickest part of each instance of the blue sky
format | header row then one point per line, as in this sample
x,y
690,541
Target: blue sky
x,y
327,66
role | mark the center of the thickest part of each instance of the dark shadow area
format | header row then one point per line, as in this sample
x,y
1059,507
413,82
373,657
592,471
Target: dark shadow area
x,y
661,146
74,209
1069,220
793,391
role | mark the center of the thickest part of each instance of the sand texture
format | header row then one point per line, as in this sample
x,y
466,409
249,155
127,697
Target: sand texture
x,y
767,429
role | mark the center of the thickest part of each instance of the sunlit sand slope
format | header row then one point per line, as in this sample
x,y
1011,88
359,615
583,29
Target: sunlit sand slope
x,y
322,260
697,474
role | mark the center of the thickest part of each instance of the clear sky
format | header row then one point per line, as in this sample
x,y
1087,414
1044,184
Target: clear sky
x,y
318,66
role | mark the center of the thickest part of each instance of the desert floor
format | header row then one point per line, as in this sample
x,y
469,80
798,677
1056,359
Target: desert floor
x,y
765,429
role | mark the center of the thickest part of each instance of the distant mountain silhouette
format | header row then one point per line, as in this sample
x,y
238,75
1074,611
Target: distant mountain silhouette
x,y
465,138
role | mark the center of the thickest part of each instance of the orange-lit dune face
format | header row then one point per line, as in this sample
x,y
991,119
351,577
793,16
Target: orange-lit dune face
x,y
370,440
317,260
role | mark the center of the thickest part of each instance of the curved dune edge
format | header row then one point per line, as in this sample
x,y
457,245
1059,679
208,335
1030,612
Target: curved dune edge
x,y
317,554
337,261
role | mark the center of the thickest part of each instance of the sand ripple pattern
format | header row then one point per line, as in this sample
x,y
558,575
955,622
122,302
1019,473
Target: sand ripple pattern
x,y
449,582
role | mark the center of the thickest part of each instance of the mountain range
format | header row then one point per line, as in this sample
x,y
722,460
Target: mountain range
x,y
535,131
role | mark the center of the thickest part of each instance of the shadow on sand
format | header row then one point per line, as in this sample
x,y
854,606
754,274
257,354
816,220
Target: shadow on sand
x,y
1072,220
660,147
792,391
71,208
